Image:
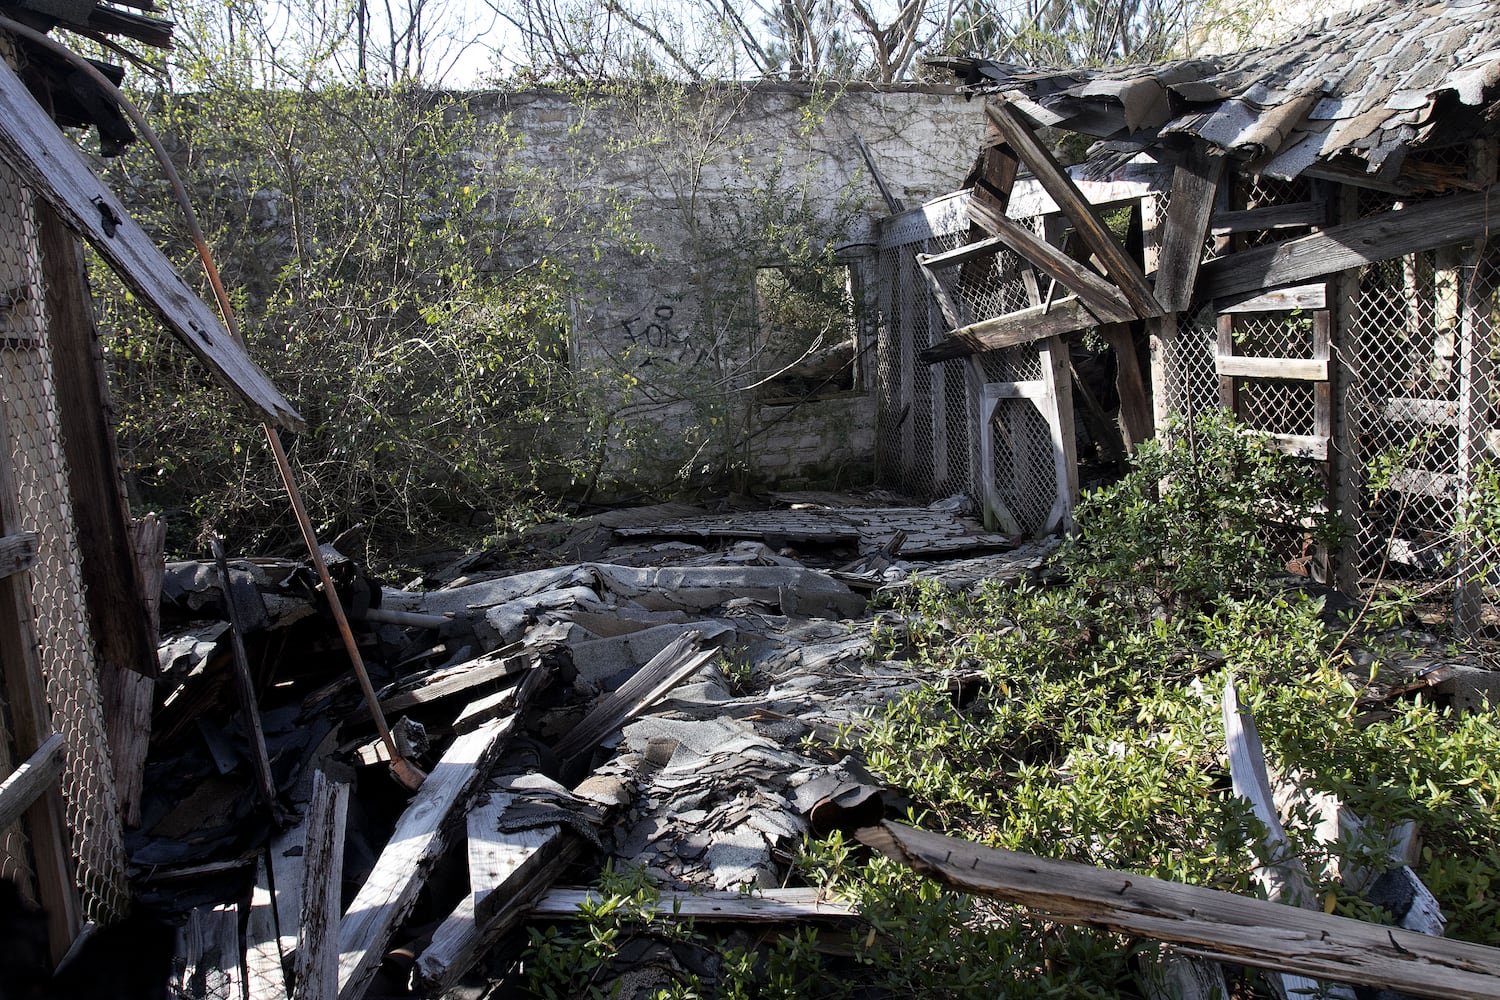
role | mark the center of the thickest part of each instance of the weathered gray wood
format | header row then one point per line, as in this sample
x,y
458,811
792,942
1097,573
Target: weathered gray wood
x,y
26,783
1087,224
318,933
1284,878
1259,220
1135,405
506,870
1313,296
1202,921
1229,390
1195,181
49,163
129,696
1102,297
209,955
1024,326
1410,410
265,972
1425,226
664,671
1057,407
1170,976
760,907
979,249
1313,446
17,552
245,685
403,866
461,678
1298,369
287,859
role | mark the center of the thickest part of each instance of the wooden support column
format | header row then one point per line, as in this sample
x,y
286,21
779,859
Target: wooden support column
x,y
1477,343
1058,409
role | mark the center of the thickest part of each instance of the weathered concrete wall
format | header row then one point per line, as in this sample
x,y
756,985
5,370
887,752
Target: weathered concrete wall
x,y
717,182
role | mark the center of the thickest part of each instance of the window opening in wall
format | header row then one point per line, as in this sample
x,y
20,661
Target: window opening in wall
x,y
807,338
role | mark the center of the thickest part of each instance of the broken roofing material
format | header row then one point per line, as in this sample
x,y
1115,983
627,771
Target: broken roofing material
x,y
1356,93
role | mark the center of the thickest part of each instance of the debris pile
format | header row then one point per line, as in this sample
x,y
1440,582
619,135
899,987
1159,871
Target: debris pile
x,y
655,703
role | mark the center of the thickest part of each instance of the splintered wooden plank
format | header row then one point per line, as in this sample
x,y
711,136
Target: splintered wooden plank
x,y
1096,236
317,935
987,247
1202,921
17,552
1102,297
1297,369
664,671
1022,327
507,871
1425,226
287,857
48,163
25,784
1195,181
413,849
1135,403
764,906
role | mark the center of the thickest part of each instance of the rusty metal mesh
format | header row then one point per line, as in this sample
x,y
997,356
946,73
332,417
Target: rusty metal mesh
x,y
67,656
923,444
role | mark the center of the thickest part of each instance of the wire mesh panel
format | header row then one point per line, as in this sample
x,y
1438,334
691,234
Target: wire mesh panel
x,y
925,446
1404,408
56,585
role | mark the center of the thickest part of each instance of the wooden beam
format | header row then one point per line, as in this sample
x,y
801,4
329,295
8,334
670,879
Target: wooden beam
x,y
1425,226
1195,182
412,850
1086,221
51,165
1304,297
1202,921
265,970
317,935
1022,327
764,906
17,552
1296,369
987,247
506,872
1103,298
1259,220
1313,446
26,783
129,696
1136,419
101,516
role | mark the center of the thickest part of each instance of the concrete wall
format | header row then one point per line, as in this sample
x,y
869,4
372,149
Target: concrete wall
x,y
717,182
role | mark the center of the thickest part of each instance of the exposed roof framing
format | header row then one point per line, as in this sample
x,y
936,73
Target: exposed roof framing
x,y
1350,96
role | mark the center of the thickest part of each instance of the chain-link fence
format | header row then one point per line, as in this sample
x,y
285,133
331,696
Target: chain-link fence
x,y
924,444
40,477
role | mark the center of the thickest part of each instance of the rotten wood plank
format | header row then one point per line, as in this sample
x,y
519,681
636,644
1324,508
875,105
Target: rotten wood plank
x,y
26,783
265,970
491,669
317,960
1104,299
1201,921
209,955
1024,326
987,247
47,162
413,849
244,683
1195,181
1086,221
1426,226
129,696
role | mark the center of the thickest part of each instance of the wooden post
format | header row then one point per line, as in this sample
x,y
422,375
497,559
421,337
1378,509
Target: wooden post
x,y
1058,408
1348,468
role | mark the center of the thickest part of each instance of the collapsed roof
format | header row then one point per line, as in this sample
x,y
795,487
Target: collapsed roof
x,y
1350,96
